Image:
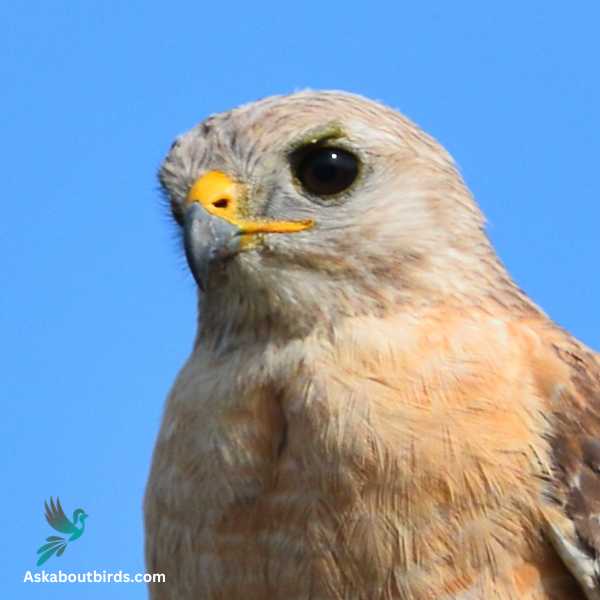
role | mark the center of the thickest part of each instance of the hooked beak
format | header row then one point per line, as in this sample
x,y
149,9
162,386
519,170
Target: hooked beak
x,y
216,224
207,239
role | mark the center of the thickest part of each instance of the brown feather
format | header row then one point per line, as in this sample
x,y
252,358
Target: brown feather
x,y
373,411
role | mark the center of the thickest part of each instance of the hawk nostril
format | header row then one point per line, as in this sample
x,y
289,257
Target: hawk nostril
x,y
221,203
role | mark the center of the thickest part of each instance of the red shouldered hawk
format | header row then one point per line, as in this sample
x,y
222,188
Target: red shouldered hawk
x,y
372,408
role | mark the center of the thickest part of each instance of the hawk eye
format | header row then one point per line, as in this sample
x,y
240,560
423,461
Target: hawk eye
x,y
324,171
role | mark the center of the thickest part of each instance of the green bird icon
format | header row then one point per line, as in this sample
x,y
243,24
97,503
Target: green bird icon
x,y
55,515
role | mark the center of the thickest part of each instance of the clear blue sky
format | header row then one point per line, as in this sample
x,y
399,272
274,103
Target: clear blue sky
x,y
97,310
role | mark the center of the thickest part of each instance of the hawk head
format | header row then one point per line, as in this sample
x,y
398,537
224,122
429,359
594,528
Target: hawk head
x,y
320,205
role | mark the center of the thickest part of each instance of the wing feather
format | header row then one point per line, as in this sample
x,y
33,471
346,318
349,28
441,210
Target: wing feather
x,y
55,515
573,523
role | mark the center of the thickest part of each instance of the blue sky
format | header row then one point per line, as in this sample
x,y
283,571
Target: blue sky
x,y
97,310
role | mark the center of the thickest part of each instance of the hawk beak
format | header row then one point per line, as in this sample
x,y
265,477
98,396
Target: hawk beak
x,y
207,239
217,225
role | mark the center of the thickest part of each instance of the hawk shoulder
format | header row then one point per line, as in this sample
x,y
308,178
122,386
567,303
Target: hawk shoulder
x,y
573,521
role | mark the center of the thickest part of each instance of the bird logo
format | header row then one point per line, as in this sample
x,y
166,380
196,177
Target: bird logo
x,y
55,515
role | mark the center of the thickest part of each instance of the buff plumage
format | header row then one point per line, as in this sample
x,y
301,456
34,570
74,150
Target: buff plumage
x,y
372,408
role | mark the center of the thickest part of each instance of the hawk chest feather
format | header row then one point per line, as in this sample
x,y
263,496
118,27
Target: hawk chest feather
x,y
354,467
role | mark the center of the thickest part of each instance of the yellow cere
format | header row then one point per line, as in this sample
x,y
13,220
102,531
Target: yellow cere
x,y
217,193
223,197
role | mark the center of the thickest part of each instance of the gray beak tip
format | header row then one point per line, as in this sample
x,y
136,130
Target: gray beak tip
x,y
207,239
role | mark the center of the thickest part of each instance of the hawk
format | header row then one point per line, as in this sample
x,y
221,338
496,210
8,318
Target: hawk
x,y
372,408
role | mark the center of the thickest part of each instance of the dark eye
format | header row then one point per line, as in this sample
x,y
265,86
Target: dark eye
x,y
323,171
